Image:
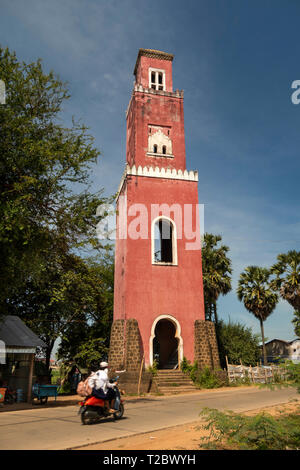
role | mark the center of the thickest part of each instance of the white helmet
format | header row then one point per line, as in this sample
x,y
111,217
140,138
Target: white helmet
x,y
103,364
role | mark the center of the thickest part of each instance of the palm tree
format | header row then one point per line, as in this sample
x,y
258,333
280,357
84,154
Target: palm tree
x,y
259,298
287,281
296,322
216,268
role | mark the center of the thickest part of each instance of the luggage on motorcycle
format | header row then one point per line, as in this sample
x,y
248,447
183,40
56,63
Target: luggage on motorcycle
x,y
83,389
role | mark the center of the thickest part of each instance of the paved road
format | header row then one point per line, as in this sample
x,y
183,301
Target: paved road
x,y
60,428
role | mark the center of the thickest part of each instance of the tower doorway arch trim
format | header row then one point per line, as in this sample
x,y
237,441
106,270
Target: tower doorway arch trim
x,y
177,335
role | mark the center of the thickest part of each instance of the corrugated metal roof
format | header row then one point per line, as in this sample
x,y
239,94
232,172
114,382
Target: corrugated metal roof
x,y
282,341
14,332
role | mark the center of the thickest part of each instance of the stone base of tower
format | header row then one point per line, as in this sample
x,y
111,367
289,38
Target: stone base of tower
x,y
206,351
126,354
125,350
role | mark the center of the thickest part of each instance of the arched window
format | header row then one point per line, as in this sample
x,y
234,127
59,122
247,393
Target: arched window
x,y
164,242
154,148
164,149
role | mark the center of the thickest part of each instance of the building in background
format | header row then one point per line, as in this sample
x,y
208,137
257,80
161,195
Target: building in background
x,y
278,349
17,361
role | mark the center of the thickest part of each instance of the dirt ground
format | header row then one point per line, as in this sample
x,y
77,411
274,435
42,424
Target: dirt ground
x,y
185,437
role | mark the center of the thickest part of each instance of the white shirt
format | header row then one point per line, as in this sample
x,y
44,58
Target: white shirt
x,y
100,379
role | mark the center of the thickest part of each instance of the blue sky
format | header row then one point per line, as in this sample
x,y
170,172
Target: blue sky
x,y
235,61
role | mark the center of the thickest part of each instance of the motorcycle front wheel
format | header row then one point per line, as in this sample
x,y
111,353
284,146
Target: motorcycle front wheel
x,y
118,414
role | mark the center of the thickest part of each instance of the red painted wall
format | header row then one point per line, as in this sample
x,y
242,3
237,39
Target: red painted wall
x,y
157,110
144,290
142,75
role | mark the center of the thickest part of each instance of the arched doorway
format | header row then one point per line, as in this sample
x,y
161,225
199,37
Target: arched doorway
x,y
166,343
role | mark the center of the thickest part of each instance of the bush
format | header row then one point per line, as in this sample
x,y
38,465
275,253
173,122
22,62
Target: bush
x,y
261,432
153,369
293,373
185,365
229,431
238,343
189,368
205,377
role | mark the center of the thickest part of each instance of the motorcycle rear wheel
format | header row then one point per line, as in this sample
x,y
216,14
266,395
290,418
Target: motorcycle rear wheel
x,y
85,419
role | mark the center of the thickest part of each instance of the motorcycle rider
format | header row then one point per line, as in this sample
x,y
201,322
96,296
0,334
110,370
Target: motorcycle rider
x,y
102,388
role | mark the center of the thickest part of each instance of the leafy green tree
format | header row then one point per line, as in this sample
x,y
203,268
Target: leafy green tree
x,y
216,268
255,290
296,321
91,352
48,216
238,343
287,282
92,330
41,163
69,295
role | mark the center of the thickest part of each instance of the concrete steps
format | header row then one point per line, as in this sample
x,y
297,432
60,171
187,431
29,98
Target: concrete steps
x,y
173,381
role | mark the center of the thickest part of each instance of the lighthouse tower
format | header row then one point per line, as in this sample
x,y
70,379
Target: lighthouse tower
x,y
158,297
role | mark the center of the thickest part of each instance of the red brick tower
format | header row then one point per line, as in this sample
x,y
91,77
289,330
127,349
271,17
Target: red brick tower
x,y
158,303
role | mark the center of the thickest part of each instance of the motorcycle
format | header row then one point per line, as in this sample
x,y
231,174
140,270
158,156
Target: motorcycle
x,y
92,409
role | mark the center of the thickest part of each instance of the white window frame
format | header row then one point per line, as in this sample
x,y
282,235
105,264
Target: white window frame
x,y
157,71
174,242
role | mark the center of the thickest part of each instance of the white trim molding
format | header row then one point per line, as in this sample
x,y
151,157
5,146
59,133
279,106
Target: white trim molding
x,y
168,173
164,155
177,335
156,172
